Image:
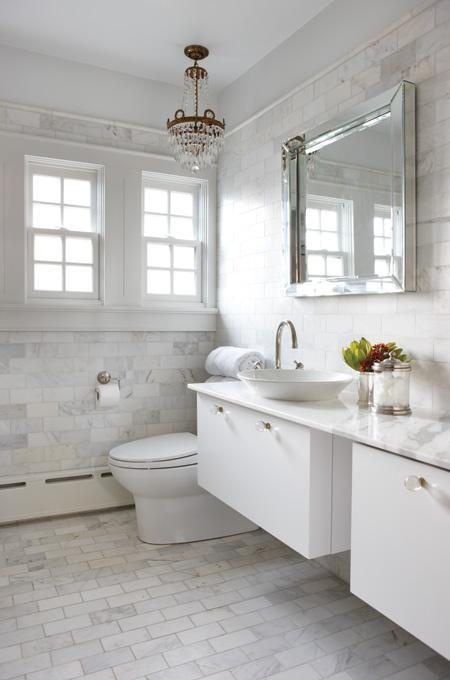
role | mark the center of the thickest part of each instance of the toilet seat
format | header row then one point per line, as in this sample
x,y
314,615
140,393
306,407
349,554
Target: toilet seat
x,y
157,453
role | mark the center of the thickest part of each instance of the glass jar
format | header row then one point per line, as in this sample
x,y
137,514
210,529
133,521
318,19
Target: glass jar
x,y
364,389
390,390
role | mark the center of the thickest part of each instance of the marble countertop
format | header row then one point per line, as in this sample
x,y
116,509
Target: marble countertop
x,y
422,436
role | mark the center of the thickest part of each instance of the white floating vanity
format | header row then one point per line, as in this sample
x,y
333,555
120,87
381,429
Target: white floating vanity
x,y
321,477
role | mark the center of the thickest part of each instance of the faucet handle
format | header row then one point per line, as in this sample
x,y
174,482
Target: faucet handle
x,y
298,364
258,364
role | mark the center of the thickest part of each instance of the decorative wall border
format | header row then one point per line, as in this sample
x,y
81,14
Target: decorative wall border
x,y
68,127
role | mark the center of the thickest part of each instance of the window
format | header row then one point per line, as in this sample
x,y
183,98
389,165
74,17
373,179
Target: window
x,y
382,240
173,231
329,227
64,219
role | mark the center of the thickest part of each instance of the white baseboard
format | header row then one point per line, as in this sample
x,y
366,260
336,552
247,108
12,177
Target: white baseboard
x,y
59,493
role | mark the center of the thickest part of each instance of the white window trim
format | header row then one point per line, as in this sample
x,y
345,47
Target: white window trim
x,y
75,169
200,243
346,234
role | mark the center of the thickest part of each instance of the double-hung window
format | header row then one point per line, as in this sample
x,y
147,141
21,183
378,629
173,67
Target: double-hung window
x,y
329,228
173,234
64,207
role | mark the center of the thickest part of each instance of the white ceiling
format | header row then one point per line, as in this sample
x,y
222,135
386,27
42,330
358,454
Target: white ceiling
x,y
146,37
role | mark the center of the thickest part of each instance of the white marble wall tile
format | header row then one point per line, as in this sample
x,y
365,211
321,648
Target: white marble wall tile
x,y
416,47
48,419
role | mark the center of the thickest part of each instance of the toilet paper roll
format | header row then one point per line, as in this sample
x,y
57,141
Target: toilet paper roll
x,y
108,395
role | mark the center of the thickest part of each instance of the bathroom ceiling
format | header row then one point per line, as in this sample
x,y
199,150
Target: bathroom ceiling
x,y
146,37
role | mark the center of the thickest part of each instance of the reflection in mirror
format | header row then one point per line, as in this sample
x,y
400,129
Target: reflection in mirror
x,y
343,203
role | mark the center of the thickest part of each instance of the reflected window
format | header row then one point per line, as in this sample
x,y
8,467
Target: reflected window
x,y
329,228
382,240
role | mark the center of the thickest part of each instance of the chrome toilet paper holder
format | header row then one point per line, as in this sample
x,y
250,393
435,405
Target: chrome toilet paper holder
x,y
105,377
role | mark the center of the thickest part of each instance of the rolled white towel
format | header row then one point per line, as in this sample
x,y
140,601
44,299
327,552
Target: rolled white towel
x,y
219,378
228,361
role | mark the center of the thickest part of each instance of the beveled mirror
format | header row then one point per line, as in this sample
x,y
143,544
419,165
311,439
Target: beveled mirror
x,y
348,196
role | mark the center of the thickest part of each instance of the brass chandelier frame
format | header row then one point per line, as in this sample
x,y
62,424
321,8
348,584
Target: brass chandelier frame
x,y
196,73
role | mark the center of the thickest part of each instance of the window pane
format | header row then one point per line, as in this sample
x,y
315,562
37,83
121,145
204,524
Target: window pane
x,y
79,279
388,227
158,255
77,191
328,220
156,200
335,266
158,282
313,241
381,268
182,227
382,246
183,257
316,265
46,216
378,226
48,277
79,250
312,218
46,188
48,248
156,225
329,241
181,203
184,283
78,219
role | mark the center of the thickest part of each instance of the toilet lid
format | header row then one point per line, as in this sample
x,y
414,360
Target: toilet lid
x,y
166,450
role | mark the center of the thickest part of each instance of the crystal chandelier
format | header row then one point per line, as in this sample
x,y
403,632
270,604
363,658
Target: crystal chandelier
x,y
195,139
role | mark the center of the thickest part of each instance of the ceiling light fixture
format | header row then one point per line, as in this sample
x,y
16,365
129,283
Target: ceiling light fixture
x,y
195,139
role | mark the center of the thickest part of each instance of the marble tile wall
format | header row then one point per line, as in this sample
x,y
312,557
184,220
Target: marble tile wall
x,y
39,122
48,419
251,298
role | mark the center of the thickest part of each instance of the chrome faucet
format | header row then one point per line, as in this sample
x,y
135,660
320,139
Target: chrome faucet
x,y
280,328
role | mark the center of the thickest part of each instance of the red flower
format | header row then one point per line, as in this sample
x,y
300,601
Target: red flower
x,y
377,353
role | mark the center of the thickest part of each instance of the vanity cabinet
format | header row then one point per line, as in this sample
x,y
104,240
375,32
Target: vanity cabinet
x,y
400,560
292,481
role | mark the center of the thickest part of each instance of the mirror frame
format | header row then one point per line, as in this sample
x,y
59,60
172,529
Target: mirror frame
x,y
400,103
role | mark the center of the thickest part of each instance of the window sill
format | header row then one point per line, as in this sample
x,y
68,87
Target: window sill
x,y
42,316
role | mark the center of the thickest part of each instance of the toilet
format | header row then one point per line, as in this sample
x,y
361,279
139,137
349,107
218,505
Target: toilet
x,y
161,473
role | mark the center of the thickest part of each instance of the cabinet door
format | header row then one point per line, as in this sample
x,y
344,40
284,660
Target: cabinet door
x,y
400,560
279,477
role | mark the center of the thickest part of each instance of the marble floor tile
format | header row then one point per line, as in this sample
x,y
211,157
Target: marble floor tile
x,y
82,597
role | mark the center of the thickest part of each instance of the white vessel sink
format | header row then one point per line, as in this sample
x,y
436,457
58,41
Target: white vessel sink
x,y
295,384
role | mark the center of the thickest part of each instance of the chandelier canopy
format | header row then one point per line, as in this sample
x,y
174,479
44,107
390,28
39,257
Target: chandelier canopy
x,y
195,139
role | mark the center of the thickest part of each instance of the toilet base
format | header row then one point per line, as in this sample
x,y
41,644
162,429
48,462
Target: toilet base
x,y
187,519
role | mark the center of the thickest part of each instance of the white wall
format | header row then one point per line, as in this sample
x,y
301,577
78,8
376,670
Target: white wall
x,y
50,354
36,79
250,291
122,244
333,33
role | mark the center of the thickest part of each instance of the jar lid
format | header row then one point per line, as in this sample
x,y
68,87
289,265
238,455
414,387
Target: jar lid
x,y
391,364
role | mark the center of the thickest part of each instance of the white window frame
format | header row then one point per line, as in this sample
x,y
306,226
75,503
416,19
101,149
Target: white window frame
x,y
344,231
199,188
73,170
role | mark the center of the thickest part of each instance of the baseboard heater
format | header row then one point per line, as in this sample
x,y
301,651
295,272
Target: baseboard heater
x,y
58,493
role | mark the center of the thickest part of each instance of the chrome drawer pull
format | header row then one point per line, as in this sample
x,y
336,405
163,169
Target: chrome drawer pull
x,y
415,483
217,410
262,426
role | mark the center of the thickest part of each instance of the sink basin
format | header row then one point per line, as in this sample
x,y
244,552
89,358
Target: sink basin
x,y
295,384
